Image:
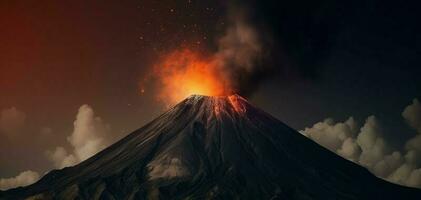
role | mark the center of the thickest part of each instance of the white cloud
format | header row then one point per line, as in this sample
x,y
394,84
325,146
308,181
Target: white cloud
x,y
401,175
61,158
368,148
330,134
414,144
414,178
89,136
11,120
412,114
413,157
372,144
388,164
350,149
23,179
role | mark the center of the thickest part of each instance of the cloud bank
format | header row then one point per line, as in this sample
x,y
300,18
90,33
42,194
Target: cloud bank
x,y
23,179
90,135
12,121
367,147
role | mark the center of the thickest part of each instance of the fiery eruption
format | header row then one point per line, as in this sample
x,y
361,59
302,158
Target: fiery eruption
x,y
182,73
230,69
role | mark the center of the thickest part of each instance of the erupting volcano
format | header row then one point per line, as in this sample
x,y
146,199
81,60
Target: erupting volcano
x,y
214,148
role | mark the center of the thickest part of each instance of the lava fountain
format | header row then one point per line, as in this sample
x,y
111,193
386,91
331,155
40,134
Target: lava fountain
x,y
182,73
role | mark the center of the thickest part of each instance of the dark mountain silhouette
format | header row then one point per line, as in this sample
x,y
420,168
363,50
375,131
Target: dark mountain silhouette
x,y
214,148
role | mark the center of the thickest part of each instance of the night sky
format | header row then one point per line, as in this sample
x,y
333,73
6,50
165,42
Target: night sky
x,y
322,59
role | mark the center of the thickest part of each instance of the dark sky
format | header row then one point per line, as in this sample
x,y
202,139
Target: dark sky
x,y
326,59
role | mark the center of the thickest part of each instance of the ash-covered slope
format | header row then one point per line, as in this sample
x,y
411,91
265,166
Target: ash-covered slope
x,y
214,148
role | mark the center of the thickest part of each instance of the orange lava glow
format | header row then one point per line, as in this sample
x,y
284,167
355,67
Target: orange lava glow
x,y
238,107
182,73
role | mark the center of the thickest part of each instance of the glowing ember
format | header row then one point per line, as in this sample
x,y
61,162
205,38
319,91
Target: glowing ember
x,y
184,72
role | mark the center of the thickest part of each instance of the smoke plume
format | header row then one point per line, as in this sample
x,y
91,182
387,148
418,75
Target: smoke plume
x,y
240,51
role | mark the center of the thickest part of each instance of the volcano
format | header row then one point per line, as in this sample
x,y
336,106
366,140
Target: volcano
x,y
214,148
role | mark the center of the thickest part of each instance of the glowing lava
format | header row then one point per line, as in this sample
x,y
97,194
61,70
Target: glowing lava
x,y
182,73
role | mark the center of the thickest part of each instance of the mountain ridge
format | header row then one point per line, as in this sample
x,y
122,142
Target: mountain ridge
x,y
209,147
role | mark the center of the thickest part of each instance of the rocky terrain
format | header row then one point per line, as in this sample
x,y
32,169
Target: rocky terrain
x,y
214,148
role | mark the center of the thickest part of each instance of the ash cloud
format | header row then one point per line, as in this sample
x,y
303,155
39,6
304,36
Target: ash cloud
x,y
268,39
412,114
276,39
367,146
240,52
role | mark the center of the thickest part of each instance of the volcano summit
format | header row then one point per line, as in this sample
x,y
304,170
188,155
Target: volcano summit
x,y
214,148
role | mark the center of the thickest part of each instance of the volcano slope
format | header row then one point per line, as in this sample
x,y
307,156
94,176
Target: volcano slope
x,y
214,148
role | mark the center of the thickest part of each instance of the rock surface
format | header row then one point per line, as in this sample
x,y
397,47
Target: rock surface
x,y
214,148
